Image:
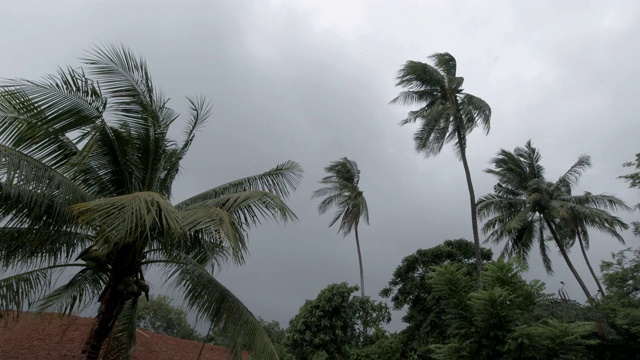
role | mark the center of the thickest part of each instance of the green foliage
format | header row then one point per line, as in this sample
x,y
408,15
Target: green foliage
x,y
160,316
388,347
411,287
621,306
621,276
333,323
634,182
551,339
496,322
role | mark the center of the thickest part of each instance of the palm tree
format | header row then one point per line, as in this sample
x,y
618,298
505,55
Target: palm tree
x,y
525,206
86,174
447,114
341,190
576,230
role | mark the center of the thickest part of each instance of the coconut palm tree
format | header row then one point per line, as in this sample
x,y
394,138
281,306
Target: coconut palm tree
x,y
525,206
86,175
342,191
575,229
447,114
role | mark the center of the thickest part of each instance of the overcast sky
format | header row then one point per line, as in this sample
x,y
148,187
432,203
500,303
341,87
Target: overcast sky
x,y
310,81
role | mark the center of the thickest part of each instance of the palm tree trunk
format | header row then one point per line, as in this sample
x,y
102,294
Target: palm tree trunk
x,y
110,307
364,315
563,251
586,259
474,213
360,261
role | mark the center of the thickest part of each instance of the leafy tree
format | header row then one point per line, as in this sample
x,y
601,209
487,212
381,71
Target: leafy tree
x,y
160,316
272,328
410,288
525,205
86,175
634,182
447,114
497,323
332,323
621,306
389,347
341,189
621,276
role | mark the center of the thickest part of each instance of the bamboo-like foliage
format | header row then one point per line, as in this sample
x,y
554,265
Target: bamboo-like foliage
x,y
86,175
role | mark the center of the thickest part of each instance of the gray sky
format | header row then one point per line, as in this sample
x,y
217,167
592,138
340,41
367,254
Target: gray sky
x,y
310,81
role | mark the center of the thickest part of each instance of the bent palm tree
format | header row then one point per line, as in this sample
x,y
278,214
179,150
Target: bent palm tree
x,y
341,190
447,115
576,229
86,173
524,206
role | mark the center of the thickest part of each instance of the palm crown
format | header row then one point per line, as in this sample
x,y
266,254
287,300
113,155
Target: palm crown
x,y
447,113
86,173
342,191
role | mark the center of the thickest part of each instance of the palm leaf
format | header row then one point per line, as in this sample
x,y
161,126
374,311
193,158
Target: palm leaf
x,y
281,180
21,291
215,303
444,62
138,217
39,246
82,289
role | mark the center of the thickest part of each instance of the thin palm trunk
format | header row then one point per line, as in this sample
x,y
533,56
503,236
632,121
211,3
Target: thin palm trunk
x,y
360,261
563,251
474,214
364,315
586,259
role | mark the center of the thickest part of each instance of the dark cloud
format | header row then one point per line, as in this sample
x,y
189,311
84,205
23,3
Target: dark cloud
x,y
311,82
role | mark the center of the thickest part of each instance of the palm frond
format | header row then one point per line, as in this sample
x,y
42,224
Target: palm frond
x,y
38,116
125,80
39,246
474,111
418,76
281,180
214,303
331,201
444,62
32,192
572,176
143,216
83,288
250,207
214,236
20,292
435,126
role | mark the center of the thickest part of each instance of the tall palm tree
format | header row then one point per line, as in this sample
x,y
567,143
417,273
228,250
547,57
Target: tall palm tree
x,y
525,206
447,114
86,174
342,191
